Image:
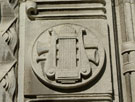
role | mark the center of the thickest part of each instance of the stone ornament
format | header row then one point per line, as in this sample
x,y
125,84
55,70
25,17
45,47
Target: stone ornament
x,y
67,50
8,61
31,9
63,57
13,3
35,10
8,50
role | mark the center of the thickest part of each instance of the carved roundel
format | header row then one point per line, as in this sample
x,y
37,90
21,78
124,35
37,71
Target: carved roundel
x,y
67,56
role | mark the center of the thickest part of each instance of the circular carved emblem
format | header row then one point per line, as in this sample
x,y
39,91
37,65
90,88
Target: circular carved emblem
x,y
67,56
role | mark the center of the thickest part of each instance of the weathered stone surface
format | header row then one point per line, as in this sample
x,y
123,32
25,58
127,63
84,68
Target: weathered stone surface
x,y
67,50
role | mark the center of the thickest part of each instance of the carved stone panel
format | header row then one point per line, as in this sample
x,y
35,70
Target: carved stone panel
x,y
8,51
66,56
65,51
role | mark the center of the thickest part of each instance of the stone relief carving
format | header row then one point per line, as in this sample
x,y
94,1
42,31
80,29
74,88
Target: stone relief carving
x,y
8,60
13,3
36,11
8,56
65,51
63,57
128,45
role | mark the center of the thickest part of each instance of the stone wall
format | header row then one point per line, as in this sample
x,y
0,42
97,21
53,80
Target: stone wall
x,y
67,50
